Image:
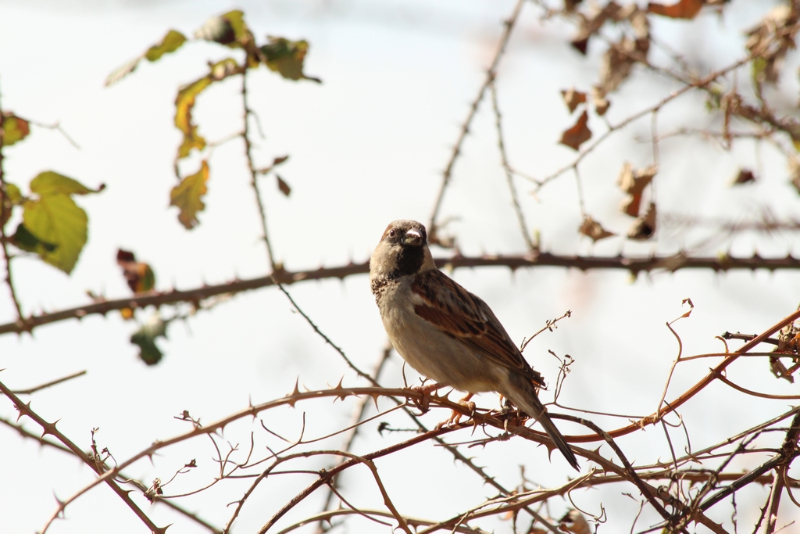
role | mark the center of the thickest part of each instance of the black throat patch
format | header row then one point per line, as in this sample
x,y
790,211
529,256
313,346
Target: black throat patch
x,y
409,261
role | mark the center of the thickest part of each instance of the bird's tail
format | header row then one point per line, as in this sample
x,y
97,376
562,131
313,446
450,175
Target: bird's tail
x,y
530,403
558,438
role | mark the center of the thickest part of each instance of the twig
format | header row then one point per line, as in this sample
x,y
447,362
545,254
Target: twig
x,y
48,384
491,72
699,386
248,149
498,120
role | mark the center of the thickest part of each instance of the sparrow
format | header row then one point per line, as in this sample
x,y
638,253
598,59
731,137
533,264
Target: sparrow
x,y
445,332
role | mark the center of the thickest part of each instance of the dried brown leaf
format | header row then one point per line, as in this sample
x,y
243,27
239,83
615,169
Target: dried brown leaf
x,y
283,186
599,100
616,64
578,134
593,229
744,176
633,181
590,24
573,98
645,226
779,370
684,9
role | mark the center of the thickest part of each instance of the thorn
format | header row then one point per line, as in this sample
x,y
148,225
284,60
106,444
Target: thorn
x,y
375,399
294,392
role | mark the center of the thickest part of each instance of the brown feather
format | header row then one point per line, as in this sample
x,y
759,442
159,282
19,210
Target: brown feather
x,y
468,319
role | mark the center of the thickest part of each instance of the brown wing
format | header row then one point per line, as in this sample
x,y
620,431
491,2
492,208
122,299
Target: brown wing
x,y
465,317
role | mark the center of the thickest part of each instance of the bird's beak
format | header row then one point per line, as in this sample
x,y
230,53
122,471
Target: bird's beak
x,y
413,238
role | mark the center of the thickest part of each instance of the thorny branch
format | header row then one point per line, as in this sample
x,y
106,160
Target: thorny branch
x,y
635,266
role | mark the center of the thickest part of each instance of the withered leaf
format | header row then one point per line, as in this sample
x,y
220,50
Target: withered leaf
x,y
286,58
188,194
593,229
578,134
780,370
138,274
633,183
590,24
601,103
573,98
15,129
229,29
283,186
645,226
744,176
616,64
769,46
683,9
184,103
169,43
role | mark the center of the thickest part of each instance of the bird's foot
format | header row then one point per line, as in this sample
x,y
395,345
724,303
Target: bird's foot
x,y
455,417
423,404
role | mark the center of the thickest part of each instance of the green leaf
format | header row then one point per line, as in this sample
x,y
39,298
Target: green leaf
x,y
188,194
24,240
286,58
14,194
171,42
51,183
8,200
14,129
146,337
57,220
184,103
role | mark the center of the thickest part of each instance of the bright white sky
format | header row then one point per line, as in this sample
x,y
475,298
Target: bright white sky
x,y
367,146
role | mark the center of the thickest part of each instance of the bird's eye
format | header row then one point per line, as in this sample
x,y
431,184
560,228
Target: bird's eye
x,y
392,232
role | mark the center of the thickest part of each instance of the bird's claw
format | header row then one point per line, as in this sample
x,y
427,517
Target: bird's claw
x,y
456,416
423,404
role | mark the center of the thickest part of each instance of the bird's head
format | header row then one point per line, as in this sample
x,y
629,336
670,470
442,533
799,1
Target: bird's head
x,y
402,250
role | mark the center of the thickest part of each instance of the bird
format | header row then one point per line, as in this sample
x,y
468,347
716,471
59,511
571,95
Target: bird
x,y
445,332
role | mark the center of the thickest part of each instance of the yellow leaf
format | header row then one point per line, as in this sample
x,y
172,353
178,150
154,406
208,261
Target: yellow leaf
x,y
171,42
188,194
184,103
14,129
